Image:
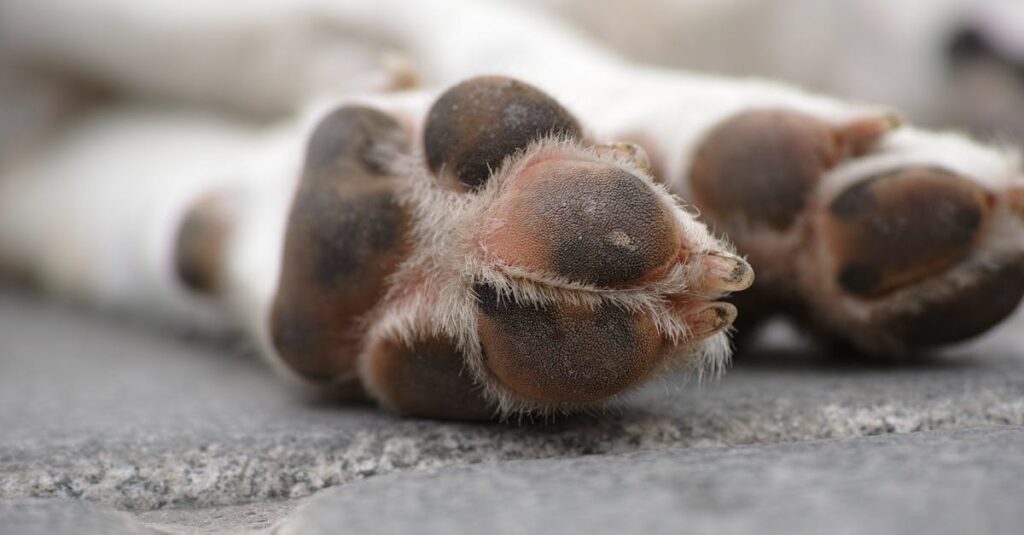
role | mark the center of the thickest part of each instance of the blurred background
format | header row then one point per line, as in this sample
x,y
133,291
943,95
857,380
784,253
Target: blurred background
x,y
943,63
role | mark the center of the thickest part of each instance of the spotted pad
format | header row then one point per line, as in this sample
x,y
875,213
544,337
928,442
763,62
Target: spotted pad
x,y
898,228
761,166
427,378
476,124
200,244
346,233
563,353
965,313
587,221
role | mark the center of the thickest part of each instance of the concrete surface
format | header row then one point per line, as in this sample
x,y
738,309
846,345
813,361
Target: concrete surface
x,y
192,437
942,482
947,482
62,516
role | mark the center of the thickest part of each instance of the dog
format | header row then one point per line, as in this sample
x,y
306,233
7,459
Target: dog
x,y
488,215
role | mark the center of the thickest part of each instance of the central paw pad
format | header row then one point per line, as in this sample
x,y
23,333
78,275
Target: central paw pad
x,y
587,221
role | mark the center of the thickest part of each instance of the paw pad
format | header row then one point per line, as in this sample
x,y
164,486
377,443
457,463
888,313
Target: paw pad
x,y
967,312
898,228
199,245
476,124
586,221
564,353
346,233
760,167
427,378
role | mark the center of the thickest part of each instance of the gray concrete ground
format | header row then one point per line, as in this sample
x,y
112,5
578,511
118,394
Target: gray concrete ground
x,y
110,428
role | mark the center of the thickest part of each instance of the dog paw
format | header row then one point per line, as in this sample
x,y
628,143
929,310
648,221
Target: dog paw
x,y
893,239
498,262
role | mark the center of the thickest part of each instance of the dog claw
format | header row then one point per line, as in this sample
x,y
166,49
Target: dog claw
x,y
859,136
727,272
630,153
709,320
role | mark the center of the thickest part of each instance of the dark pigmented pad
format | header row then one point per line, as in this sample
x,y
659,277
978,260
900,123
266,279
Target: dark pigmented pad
x,y
564,354
354,136
967,313
760,167
587,221
345,235
351,241
427,379
476,124
199,245
900,227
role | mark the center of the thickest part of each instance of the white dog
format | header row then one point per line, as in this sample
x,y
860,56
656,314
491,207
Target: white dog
x,y
499,245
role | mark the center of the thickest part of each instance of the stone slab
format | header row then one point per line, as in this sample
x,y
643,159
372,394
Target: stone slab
x,y
937,483
93,407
